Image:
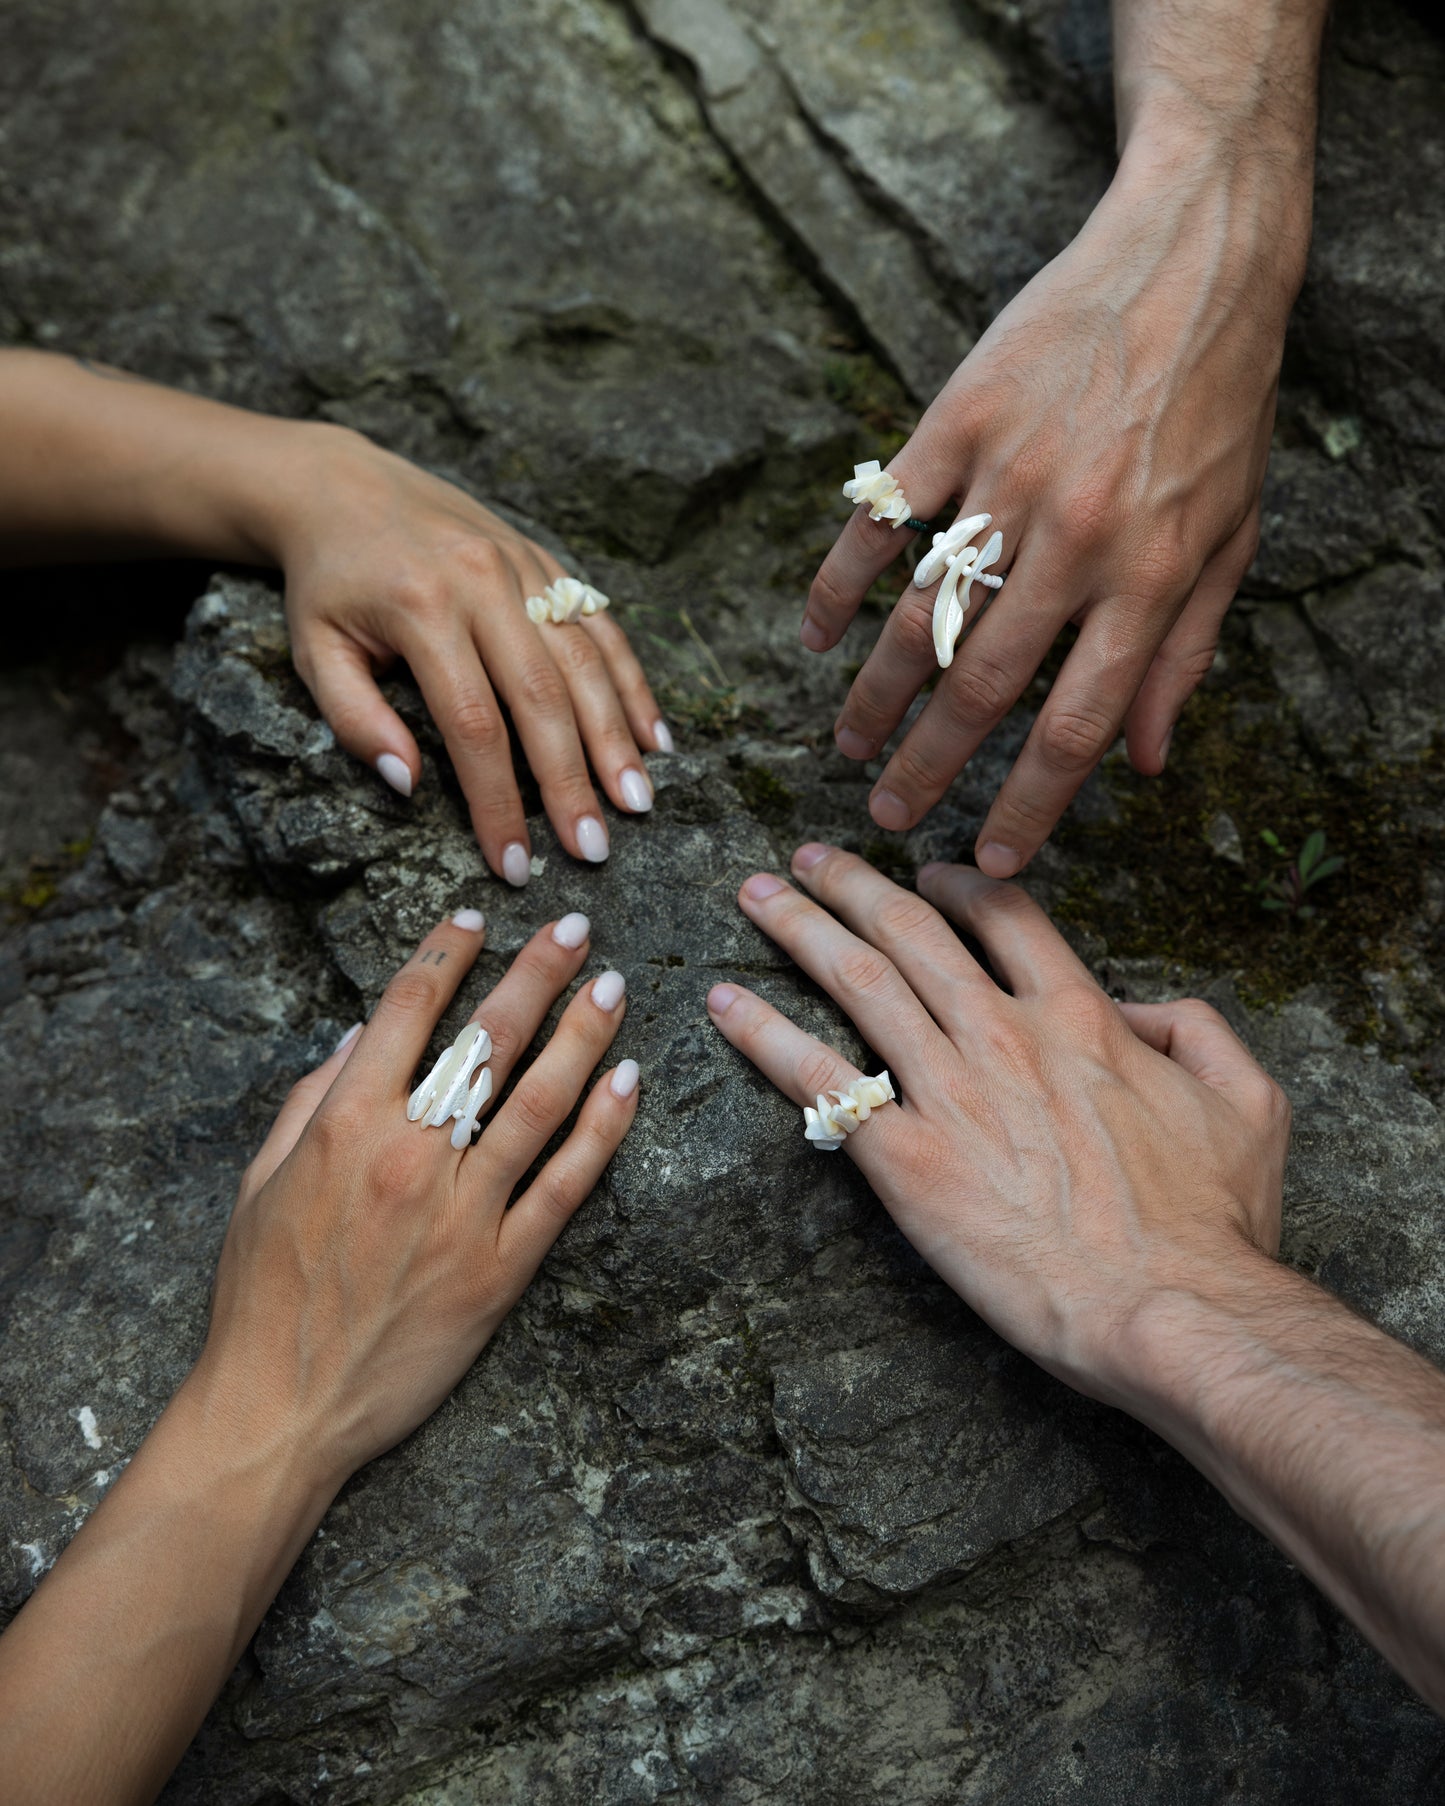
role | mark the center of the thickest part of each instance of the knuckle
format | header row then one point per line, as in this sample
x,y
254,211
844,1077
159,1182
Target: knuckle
x,y
475,725
393,1172
911,628
818,1070
862,969
1074,736
904,917
825,594
537,1107
979,690
1086,1007
482,559
559,1194
1086,514
1204,1015
575,650
543,687
412,992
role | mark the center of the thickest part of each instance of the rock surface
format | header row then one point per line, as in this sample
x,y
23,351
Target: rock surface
x,y
740,1505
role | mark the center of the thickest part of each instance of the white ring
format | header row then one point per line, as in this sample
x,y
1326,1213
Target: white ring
x,y
872,487
963,563
568,599
830,1124
443,1094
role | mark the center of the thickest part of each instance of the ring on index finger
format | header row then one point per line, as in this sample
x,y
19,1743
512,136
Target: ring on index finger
x,y
568,599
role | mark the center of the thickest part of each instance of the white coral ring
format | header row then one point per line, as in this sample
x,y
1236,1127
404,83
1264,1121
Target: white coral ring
x,y
959,564
443,1094
832,1122
568,599
873,488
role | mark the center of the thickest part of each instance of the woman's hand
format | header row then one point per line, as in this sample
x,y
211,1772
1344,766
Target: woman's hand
x,y
383,560
1059,1160
368,1262
366,1265
1115,420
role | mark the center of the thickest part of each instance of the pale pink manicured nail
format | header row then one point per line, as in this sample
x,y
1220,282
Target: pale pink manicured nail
x,y
636,792
807,857
662,736
592,839
471,919
516,866
764,885
889,810
995,860
396,772
350,1035
854,745
624,1080
607,990
572,930
721,998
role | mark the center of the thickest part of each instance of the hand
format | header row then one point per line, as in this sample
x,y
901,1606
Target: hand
x,y
382,560
367,1263
1058,1159
1115,420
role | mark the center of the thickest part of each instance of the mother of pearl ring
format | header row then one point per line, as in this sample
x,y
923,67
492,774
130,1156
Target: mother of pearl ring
x,y
443,1095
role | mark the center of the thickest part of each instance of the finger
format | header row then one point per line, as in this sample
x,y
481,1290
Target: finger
x,y
630,681
1196,1037
546,1094
301,1105
404,1020
534,1222
1024,948
801,1066
936,965
1187,655
521,656
992,669
1077,725
930,469
904,657
601,719
515,1009
462,704
860,979
339,675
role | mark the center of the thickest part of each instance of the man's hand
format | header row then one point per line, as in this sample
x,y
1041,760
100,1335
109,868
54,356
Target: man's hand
x,y
1102,1183
1115,420
1057,1158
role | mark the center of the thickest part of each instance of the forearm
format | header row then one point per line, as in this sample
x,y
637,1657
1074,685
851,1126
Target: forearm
x,y
107,1672
98,464
1320,1429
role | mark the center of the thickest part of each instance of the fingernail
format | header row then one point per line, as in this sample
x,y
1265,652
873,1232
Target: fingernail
x,y
763,885
807,857
516,866
662,736
813,636
1164,749
607,990
592,839
998,861
624,1080
853,745
889,810
925,872
572,930
636,792
396,772
720,999
350,1035
471,919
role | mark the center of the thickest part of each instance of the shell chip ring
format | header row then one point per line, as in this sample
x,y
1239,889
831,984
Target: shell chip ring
x,y
830,1124
443,1095
568,599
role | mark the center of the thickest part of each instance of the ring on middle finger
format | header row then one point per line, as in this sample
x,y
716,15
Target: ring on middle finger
x,y
961,565
447,1093
568,599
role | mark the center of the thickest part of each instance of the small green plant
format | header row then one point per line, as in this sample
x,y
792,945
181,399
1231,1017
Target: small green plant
x,y
1287,890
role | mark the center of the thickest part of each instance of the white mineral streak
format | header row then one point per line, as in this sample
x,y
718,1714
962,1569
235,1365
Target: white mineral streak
x,y
952,558
568,599
873,488
830,1124
443,1093
85,1417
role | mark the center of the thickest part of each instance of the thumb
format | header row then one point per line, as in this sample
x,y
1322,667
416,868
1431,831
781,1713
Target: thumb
x,y
338,674
301,1105
1196,1037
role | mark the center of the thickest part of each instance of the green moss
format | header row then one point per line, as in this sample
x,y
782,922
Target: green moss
x,y
43,876
766,796
1149,884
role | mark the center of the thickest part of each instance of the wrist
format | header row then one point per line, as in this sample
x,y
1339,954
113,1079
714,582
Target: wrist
x,y
288,463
